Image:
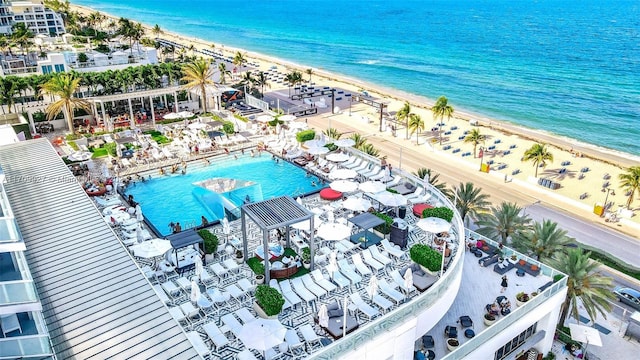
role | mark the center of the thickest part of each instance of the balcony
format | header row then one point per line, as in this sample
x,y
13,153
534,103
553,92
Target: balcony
x,y
17,290
26,337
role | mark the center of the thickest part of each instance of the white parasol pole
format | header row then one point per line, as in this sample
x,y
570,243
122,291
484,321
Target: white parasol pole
x,y
344,320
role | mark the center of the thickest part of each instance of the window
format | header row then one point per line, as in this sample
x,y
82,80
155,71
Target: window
x,y
514,343
47,69
59,68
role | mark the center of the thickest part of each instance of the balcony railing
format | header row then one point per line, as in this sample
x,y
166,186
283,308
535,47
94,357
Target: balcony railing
x,y
30,346
17,292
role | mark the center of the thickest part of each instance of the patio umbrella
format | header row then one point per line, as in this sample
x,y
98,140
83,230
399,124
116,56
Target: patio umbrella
x,y
372,288
139,234
343,174
226,229
333,264
195,291
434,225
356,204
199,266
373,187
287,118
318,150
171,116
265,118
344,143
197,126
315,143
333,231
408,279
139,215
299,200
152,248
304,225
262,334
344,186
388,199
585,334
338,157
80,156
323,316
185,114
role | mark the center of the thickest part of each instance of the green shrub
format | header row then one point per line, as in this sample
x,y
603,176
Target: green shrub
x,y
269,299
386,227
228,128
210,241
331,147
557,277
256,265
73,145
111,148
305,135
306,254
241,118
424,255
439,212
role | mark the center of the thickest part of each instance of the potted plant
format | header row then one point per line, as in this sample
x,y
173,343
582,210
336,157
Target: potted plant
x,y
239,257
268,302
452,344
489,319
383,229
521,298
429,259
258,269
306,258
210,244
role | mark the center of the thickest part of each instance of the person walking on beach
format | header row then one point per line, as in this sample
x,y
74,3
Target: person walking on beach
x,y
504,284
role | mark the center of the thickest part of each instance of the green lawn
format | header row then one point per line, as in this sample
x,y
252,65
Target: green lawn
x,y
99,152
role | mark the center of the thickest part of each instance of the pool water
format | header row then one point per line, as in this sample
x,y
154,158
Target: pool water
x,y
175,198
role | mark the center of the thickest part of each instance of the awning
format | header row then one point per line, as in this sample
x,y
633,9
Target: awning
x,y
366,221
184,239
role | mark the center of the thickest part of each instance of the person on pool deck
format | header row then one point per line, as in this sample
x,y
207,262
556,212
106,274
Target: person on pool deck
x,y
204,220
177,228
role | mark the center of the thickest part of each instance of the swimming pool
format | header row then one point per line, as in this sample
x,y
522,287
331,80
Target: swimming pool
x,y
179,198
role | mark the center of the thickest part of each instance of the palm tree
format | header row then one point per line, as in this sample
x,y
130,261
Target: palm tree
x,y
239,59
63,86
475,138
222,68
333,133
441,109
157,31
434,180
470,201
502,221
22,36
309,72
416,124
542,241
358,139
370,150
94,19
630,182
539,155
8,91
5,44
403,115
583,282
248,80
261,80
198,76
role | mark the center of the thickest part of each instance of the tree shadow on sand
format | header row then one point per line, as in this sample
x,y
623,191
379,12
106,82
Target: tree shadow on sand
x,y
558,174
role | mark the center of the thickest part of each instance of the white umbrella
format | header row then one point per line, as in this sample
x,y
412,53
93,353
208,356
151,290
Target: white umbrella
x,y
139,215
356,204
226,229
388,199
434,225
298,125
338,157
299,200
287,118
318,150
344,143
585,334
333,231
315,143
199,266
373,187
195,291
408,279
323,316
171,116
80,156
333,264
185,114
197,126
139,234
344,186
151,248
262,334
306,224
343,174
265,118
372,288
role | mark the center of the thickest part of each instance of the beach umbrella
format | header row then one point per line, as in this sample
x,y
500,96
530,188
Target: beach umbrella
x,y
197,126
388,199
139,216
338,157
185,114
226,228
171,116
298,125
333,264
434,225
408,278
262,334
372,187
199,267
287,118
152,248
195,291
139,234
323,316
345,306
319,150
372,288
343,174
315,143
333,231
356,204
343,143
344,186
585,334
264,118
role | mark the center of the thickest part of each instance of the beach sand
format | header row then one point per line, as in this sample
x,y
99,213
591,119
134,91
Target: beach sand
x,y
453,167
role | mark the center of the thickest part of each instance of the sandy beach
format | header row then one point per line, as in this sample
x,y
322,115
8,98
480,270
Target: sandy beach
x,y
509,142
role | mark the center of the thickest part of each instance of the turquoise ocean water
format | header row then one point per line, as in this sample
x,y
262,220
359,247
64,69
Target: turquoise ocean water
x,y
570,67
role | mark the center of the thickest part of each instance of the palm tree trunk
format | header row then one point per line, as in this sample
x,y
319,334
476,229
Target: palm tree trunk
x,y
69,116
565,311
204,99
536,165
474,150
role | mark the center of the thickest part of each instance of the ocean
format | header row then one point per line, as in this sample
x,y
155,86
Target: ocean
x,y
568,67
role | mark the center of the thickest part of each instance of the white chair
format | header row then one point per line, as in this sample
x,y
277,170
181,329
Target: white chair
x,y
235,292
246,285
244,315
287,303
392,249
219,270
171,289
299,288
363,307
178,314
216,336
310,337
369,260
206,278
189,310
347,270
232,323
399,281
382,302
9,323
320,280
339,279
246,355
293,341
161,294
316,289
378,256
360,266
231,265
356,163
390,291
198,344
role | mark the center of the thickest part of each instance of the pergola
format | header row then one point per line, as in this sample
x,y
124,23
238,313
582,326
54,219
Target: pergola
x,y
274,214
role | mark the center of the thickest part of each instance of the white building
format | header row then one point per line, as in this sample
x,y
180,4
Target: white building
x,y
38,18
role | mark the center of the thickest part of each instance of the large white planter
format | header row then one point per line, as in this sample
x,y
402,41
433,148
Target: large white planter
x,y
427,271
488,322
450,346
261,312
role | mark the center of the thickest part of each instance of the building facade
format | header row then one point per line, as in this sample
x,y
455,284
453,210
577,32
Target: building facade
x,y
38,18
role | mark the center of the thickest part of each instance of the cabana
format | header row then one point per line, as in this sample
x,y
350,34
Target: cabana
x,y
274,214
181,240
366,221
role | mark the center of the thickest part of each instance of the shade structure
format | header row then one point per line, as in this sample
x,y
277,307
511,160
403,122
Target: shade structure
x,y
344,143
434,225
287,118
317,150
262,334
356,204
344,186
343,174
323,316
150,249
372,287
265,118
338,157
388,199
408,279
306,224
333,231
585,334
195,291
197,126
80,156
373,187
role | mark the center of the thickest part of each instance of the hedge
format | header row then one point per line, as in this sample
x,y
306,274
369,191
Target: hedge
x,y
439,212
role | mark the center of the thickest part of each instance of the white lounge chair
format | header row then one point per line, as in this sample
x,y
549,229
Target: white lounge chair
x,y
161,294
348,271
287,304
399,281
246,286
232,323
378,256
246,355
310,337
339,279
369,260
382,302
244,315
320,280
392,249
390,291
216,336
299,288
293,342
289,294
316,289
198,344
363,307
359,265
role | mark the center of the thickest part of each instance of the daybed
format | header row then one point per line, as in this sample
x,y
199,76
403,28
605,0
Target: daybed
x,y
488,260
419,208
330,194
336,321
533,270
503,267
421,280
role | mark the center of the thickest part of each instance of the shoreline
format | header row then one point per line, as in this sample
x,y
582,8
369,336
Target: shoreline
x,y
595,152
